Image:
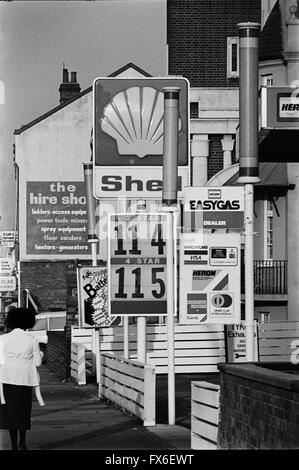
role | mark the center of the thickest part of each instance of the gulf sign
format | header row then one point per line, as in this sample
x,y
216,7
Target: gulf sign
x,y
128,129
279,108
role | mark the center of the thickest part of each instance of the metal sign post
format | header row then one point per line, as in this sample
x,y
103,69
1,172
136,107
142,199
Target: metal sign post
x,y
170,172
248,161
92,237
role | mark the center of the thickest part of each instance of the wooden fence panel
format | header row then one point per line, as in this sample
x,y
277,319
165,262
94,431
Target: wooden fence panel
x,y
78,366
204,415
277,341
130,384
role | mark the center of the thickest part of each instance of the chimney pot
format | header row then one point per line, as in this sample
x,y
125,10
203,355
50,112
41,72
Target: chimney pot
x,y
65,76
73,77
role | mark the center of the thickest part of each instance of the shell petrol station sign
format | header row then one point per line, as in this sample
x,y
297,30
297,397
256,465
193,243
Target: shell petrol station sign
x,y
128,136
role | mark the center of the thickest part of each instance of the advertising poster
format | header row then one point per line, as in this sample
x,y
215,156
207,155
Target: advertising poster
x,y
7,238
210,278
56,219
235,339
92,297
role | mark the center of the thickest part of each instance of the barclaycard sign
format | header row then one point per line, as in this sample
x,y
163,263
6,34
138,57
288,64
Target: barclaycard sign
x,y
128,136
279,108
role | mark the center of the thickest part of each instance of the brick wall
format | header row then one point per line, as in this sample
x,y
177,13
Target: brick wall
x,y
196,37
215,161
259,408
46,280
59,343
58,354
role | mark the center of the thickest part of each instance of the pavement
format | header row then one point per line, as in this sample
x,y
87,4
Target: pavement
x,y
75,418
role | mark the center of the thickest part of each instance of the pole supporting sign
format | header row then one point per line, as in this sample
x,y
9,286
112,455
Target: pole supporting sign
x,y
210,278
137,264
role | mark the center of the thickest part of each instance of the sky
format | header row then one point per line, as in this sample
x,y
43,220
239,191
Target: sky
x,y
93,38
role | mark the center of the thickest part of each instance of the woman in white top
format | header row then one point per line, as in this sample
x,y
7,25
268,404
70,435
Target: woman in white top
x,y
19,357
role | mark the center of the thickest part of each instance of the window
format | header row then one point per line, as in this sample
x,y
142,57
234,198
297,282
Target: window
x,y
264,317
233,57
268,234
267,80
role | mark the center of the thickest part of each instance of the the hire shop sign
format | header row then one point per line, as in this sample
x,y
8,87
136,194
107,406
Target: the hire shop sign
x,y
213,207
210,278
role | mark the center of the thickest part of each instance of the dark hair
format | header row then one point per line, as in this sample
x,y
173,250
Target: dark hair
x,y
23,318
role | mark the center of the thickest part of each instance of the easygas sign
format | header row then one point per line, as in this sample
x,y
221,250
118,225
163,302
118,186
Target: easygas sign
x,y
279,108
213,207
128,136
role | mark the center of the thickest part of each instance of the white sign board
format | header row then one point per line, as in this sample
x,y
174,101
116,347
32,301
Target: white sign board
x,y
7,283
235,339
6,265
92,297
279,108
137,264
7,238
128,136
213,207
210,278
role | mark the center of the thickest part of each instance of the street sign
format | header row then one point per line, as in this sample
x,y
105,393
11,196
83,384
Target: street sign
x,y
92,297
279,108
7,238
210,278
213,207
128,136
7,283
6,265
137,264
235,340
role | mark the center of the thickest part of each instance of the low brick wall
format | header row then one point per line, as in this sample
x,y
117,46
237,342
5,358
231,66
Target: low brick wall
x,y
259,408
58,354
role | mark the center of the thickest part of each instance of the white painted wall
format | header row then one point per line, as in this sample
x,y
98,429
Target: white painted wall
x,y
53,149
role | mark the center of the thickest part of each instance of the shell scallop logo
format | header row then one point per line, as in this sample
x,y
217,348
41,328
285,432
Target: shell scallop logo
x,y
134,119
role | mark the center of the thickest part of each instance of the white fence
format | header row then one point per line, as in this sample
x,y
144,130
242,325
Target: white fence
x,y
130,384
204,415
277,341
198,348
78,364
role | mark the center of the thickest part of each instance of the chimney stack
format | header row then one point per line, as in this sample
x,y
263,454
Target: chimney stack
x,y
68,89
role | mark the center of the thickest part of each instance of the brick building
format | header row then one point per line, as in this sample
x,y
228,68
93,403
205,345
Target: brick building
x,y
202,45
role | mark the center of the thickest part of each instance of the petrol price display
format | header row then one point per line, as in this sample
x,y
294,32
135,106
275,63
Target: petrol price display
x,y
137,264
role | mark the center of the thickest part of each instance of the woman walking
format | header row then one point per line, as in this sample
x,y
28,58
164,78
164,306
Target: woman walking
x,y
19,357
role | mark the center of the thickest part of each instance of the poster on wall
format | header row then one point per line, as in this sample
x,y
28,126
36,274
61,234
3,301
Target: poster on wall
x,y
210,278
56,219
93,297
235,342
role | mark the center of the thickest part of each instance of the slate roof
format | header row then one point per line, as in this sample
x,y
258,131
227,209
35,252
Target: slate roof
x,y
84,92
270,44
